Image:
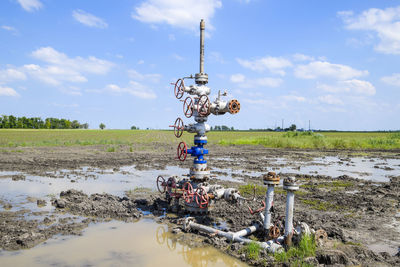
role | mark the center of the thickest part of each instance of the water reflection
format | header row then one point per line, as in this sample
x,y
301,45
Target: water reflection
x,y
193,256
144,243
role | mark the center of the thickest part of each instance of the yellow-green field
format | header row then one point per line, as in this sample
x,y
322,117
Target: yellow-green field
x,y
325,140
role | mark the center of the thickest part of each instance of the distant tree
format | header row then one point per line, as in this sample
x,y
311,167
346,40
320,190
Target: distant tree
x,y
293,127
134,128
102,126
232,129
84,126
75,124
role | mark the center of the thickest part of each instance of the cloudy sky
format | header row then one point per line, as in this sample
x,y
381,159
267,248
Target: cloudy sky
x,y
336,63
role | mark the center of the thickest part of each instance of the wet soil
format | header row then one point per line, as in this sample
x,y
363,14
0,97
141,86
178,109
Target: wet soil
x,y
361,217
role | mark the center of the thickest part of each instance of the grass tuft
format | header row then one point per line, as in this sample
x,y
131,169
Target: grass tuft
x,y
306,248
252,250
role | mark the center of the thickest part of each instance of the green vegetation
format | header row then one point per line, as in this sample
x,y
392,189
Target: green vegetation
x,y
12,122
333,185
138,190
252,250
296,255
248,190
111,149
317,204
327,140
102,126
77,137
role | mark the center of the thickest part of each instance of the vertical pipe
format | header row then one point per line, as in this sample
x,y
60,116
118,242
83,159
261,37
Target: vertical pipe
x,y
289,212
202,28
269,198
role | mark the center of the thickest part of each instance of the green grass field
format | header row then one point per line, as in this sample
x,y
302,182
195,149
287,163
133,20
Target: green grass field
x,y
326,140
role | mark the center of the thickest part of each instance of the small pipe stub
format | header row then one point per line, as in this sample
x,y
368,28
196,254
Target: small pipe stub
x,y
290,184
271,178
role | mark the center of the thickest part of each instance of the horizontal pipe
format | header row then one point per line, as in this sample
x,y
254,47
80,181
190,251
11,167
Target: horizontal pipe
x,y
269,246
247,231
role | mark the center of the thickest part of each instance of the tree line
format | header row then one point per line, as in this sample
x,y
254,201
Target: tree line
x,y
12,122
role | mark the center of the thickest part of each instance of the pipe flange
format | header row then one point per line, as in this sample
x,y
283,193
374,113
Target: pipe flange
x,y
290,184
234,106
201,78
321,237
271,178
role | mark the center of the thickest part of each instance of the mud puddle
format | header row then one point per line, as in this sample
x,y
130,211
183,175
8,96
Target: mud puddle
x,y
144,243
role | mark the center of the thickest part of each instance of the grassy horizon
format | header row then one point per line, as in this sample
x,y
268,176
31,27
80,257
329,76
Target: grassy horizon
x,y
300,140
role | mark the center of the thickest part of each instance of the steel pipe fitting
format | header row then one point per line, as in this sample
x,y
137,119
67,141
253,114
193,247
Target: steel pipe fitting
x,y
289,184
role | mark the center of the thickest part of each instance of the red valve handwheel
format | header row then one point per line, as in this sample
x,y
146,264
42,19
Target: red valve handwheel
x,y
182,151
161,184
203,105
171,182
188,192
179,88
188,107
202,197
178,127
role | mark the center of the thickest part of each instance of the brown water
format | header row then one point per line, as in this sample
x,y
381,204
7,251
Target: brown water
x,y
144,243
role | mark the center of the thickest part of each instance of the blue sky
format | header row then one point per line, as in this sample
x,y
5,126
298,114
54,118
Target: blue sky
x,y
335,63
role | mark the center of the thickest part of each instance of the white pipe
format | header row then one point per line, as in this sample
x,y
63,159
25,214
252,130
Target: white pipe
x,y
269,198
269,246
289,212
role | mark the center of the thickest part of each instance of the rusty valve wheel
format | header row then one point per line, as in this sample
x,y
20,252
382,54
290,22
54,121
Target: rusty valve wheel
x,y
182,151
201,197
179,88
188,192
178,127
203,105
161,184
188,107
274,232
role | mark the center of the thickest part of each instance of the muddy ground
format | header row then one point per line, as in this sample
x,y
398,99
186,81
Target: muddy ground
x,y
360,217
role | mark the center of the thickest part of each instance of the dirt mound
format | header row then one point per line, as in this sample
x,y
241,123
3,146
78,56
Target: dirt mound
x,y
98,205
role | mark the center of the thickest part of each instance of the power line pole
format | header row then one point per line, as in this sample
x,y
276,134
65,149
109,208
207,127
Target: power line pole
x,y
282,124
309,125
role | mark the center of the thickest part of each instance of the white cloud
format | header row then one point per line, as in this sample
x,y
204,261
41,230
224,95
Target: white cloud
x,y
178,57
294,98
237,78
331,100
393,79
184,14
11,74
384,22
349,86
140,62
273,64
8,91
302,57
30,5
152,77
61,68
71,90
243,82
134,88
89,19
10,29
318,69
